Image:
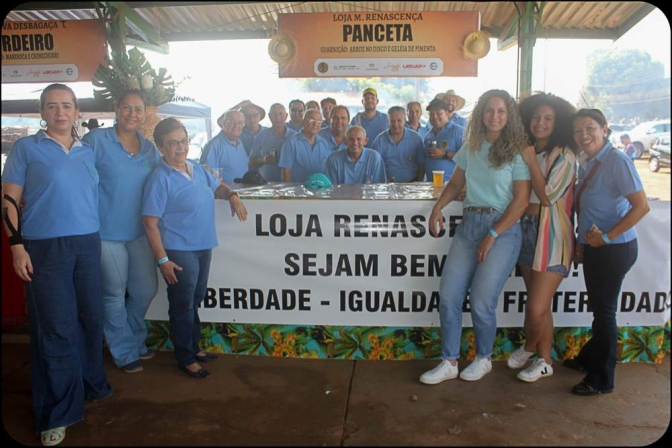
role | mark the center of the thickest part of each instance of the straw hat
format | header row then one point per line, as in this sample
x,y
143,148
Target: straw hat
x,y
476,45
460,100
281,48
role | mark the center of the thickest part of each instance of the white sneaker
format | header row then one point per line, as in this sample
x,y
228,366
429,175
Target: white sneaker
x,y
477,369
442,372
518,358
539,369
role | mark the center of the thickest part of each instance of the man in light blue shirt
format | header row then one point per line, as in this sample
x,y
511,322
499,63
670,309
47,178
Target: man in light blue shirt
x,y
268,143
401,148
226,150
356,164
371,120
455,103
335,133
327,104
414,113
296,110
305,153
442,141
253,115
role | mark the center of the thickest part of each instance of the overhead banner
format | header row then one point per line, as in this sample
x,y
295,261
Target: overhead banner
x,y
51,50
374,263
367,44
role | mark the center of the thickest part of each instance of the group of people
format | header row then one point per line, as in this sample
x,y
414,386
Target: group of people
x,y
371,147
519,165
89,220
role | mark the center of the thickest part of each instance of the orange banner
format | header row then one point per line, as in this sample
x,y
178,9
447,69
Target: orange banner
x,y
368,44
51,50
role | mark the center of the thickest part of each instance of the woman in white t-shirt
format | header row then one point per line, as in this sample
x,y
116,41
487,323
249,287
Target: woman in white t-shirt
x,y
486,244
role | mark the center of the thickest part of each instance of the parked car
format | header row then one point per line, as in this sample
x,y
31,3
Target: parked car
x,y
659,155
617,129
196,145
644,134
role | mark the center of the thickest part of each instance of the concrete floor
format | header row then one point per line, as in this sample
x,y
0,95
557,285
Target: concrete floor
x,y
261,401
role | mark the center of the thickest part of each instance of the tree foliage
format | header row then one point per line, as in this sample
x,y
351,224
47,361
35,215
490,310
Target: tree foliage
x,y
626,83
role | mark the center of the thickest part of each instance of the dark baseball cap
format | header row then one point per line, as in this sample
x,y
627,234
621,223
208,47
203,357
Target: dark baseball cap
x,y
437,103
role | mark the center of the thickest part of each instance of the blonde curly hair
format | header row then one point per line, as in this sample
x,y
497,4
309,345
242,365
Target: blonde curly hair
x,y
512,138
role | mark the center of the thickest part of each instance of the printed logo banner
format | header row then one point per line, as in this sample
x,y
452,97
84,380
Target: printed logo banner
x,y
368,44
374,263
51,50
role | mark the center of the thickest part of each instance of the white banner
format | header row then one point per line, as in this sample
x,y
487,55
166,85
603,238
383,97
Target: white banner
x,y
374,263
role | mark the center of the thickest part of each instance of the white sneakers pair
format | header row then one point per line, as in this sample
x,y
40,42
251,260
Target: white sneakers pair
x,y
539,368
446,371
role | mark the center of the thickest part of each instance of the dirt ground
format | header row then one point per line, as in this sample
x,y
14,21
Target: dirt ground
x,y
656,185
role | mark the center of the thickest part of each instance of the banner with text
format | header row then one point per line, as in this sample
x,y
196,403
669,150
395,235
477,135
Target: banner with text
x,y
369,44
51,50
374,263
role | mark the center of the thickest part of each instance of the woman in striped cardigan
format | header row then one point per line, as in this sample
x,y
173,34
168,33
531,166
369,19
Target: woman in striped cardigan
x,y
548,230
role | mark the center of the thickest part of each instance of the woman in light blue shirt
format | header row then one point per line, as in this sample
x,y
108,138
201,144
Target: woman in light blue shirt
x,y
178,214
56,250
124,159
609,201
486,244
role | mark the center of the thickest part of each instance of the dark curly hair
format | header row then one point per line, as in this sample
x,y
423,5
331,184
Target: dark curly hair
x,y
512,138
562,134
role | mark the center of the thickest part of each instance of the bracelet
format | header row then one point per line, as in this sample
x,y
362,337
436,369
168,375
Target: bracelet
x,y
160,261
493,233
606,238
231,194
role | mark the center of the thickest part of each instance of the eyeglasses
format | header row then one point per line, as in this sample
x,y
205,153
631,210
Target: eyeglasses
x,y
312,122
296,110
232,122
248,116
173,144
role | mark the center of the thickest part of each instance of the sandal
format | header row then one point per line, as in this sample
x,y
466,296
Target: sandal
x,y
52,437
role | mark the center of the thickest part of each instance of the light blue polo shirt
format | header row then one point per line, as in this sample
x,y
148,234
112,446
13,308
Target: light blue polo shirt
x,y
266,141
422,130
451,134
373,126
185,207
303,158
369,169
122,177
488,186
220,152
298,128
247,138
603,201
459,120
331,141
60,189
401,159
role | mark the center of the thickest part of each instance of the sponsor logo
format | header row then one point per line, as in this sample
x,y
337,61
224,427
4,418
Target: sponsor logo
x,y
413,66
433,65
323,67
69,71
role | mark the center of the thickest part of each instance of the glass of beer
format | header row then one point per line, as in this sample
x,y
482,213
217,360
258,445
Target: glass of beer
x,y
438,178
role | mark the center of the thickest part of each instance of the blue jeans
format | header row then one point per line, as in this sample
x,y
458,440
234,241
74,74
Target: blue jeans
x,y
127,266
184,297
604,270
484,282
66,328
